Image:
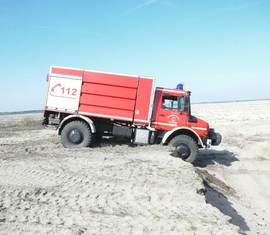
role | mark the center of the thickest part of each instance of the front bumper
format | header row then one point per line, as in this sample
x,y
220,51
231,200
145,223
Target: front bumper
x,y
214,138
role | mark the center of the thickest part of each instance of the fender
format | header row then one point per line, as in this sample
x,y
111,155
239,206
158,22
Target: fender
x,y
169,133
88,120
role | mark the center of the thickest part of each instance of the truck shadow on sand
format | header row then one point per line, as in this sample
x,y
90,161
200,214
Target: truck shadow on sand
x,y
219,199
217,191
113,142
208,157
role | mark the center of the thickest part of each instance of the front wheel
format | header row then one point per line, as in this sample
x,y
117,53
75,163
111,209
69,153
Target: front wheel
x,y
185,148
76,134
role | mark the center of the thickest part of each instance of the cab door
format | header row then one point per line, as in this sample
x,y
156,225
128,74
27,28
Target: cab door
x,y
167,114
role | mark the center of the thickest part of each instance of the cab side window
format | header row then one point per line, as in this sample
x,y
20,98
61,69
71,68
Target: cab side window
x,y
169,102
173,103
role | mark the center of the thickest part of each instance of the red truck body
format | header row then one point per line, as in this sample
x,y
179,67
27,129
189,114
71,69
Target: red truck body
x,y
99,94
89,103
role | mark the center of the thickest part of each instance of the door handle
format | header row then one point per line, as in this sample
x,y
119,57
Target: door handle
x,y
162,115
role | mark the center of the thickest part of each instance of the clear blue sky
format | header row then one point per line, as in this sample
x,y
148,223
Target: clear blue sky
x,y
219,49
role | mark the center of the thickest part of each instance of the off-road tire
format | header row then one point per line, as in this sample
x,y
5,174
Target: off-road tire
x,y
185,145
76,134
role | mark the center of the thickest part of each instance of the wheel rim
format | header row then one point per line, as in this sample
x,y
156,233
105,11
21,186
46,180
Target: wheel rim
x,y
75,136
183,150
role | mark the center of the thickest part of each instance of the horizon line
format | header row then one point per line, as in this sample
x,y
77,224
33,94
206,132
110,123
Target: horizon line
x,y
35,111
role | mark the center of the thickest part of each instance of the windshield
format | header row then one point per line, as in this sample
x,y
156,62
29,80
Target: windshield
x,y
174,103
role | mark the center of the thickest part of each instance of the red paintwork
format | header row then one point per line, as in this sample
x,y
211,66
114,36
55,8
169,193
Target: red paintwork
x,y
143,101
67,71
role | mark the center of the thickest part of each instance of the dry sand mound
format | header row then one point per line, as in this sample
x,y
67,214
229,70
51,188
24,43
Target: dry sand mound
x,y
108,189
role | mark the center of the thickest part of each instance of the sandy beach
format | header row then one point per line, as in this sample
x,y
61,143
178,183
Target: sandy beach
x,y
117,188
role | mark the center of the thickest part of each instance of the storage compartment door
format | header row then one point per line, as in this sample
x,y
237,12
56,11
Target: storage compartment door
x,y
64,93
143,108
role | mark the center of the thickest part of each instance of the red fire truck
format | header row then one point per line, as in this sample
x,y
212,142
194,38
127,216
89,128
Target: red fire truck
x,y
86,105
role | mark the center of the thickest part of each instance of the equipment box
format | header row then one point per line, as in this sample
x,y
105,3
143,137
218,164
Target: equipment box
x,y
142,136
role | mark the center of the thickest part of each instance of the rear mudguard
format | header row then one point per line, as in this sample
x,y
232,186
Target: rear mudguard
x,y
77,117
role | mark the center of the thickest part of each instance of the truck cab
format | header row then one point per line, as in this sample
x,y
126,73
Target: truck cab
x,y
172,117
172,110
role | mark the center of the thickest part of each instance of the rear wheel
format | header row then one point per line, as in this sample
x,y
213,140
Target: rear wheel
x,y
76,134
185,148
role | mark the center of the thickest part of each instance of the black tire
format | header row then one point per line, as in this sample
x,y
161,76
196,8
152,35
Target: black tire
x,y
76,134
185,148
